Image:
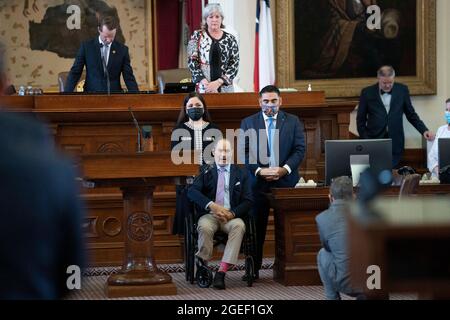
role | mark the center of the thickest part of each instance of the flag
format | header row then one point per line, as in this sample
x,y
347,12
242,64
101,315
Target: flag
x,y
264,72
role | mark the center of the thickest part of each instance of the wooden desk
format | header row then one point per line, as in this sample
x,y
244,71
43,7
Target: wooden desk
x,y
137,175
297,239
408,241
92,124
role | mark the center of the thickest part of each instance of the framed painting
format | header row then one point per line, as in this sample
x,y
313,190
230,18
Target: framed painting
x,y
41,44
330,44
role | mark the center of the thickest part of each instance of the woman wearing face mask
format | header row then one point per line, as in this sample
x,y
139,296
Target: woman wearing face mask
x,y
193,128
442,132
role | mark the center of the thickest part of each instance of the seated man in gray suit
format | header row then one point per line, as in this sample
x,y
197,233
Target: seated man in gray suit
x,y
224,195
333,258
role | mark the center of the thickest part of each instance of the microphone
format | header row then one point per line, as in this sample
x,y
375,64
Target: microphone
x,y
105,69
139,147
204,169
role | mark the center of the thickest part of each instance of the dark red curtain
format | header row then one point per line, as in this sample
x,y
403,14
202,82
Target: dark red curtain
x,y
168,28
194,14
168,33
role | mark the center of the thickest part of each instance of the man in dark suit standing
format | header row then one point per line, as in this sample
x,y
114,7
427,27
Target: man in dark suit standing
x,y
274,147
223,195
40,213
105,60
381,109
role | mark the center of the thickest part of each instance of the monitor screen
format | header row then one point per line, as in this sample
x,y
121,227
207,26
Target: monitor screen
x,y
362,154
185,87
444,157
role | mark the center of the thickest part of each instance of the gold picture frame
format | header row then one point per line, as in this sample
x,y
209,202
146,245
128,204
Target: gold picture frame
x,y
424,83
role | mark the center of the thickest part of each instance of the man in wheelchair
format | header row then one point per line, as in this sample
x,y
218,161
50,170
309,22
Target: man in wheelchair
x,y
223,197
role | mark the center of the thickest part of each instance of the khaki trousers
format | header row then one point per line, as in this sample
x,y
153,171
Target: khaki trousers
x,y
208,225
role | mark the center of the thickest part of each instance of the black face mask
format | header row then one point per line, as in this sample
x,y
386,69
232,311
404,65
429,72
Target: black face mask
x,y
195,113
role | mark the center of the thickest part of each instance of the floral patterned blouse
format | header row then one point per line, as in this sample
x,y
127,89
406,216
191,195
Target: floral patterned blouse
x,y
199,49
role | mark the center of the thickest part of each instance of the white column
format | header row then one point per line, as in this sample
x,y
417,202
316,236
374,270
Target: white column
x,y
228,10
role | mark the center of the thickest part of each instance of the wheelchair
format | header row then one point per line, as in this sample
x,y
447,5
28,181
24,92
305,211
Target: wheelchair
x,y
203,275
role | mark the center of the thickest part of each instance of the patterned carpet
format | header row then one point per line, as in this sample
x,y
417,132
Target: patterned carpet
x,y
173,268
264,289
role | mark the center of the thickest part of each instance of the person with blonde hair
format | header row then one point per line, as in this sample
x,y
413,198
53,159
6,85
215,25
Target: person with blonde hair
x,y
213,54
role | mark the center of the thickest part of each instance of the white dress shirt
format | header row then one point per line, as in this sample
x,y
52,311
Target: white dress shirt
x,y
386,98
433,155
105,50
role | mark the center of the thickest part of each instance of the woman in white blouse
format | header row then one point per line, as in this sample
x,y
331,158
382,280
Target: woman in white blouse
x,y
442,132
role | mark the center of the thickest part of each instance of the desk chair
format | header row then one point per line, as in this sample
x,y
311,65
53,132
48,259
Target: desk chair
x,y
181,75
62,79
409,185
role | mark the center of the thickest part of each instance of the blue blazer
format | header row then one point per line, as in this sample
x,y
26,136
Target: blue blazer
x,y
89,55
291,147
203,190
372,118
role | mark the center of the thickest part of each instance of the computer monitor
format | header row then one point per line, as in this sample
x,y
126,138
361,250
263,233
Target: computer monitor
x,y
374,153
182,87
444,159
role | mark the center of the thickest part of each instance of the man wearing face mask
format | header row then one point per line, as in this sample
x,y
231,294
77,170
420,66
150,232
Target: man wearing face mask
x,y
105,60
381,109
273,159
442,132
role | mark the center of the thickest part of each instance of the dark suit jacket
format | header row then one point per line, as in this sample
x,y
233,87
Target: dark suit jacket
x,y
89,55
291,147
203,190
372,118
40,229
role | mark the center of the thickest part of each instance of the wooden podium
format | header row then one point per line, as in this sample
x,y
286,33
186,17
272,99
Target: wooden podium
x,y
137,175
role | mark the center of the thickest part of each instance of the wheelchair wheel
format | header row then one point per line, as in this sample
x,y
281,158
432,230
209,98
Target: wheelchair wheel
x,y
189,253
186,254
249,270
204,277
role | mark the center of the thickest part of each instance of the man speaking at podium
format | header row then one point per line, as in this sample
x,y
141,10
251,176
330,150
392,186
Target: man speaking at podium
x,y
105,60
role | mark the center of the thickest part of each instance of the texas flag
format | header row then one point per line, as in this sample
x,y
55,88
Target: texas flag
x,y
264,73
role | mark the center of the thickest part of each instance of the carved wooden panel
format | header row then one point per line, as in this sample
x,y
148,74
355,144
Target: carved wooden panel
x,y
102,124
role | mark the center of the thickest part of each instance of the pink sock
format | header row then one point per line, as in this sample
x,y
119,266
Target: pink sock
x,y
224,267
